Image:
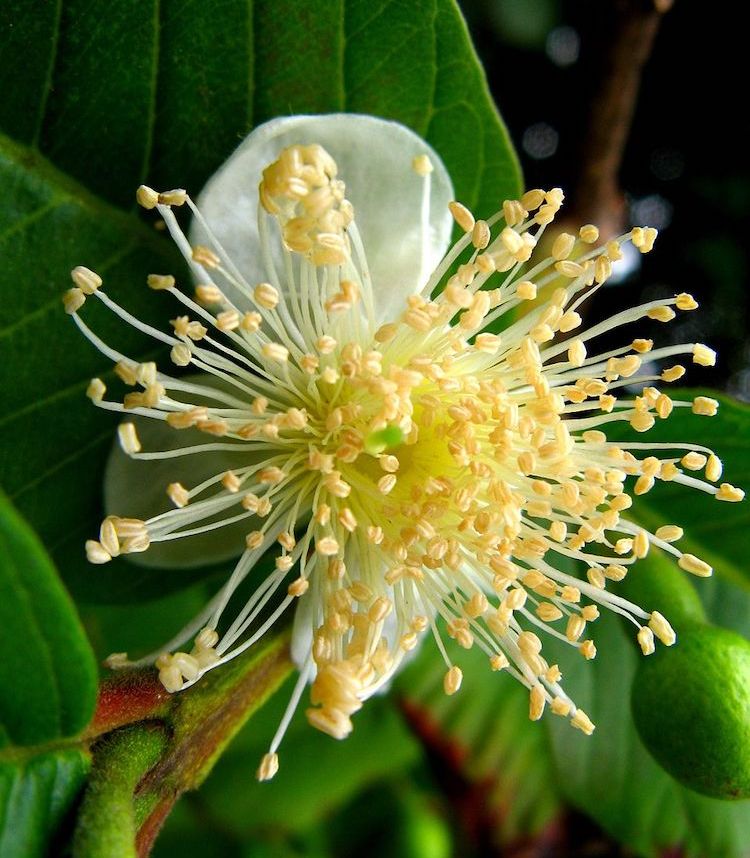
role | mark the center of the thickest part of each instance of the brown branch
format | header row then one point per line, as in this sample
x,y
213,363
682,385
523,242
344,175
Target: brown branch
x,y
597,195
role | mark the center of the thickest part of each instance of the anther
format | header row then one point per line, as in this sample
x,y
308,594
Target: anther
x,y
462,216
128,437
147,197
159,282
268,767
85,279
452,680
422,165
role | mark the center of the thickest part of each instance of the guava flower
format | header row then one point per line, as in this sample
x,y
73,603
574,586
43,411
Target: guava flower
x,y
413,429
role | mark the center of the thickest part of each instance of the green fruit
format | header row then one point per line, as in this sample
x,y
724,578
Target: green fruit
x,y
691,705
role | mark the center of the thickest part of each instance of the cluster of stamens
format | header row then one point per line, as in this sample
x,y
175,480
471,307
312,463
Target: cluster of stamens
x,y
422,474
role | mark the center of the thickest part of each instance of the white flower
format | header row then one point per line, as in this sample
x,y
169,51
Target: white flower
x,y
351,410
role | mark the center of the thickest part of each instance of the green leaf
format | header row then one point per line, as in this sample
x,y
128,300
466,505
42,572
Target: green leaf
x,y
47,669
715,531
163,93
35,796
611,777
487,724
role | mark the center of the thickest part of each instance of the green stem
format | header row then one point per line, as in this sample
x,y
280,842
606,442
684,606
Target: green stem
x,y
106,823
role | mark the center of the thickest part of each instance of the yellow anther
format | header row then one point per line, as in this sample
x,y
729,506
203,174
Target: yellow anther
x,y
96,390
178,494
661,628
705,406
691,563
661,314
147,197
462,216
73,300
275,351
327,546
128,437
645,638
581,721
703,355
729,493
298,587
562,246
537,699
452,680
85,279
684,301
266,296
175,197
589,233
159,282
422,165
268,767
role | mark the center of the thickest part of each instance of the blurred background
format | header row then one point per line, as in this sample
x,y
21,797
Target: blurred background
x,y
685,171
684,168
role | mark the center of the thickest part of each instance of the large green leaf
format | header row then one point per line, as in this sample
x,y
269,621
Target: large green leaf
x,y
47,693
35,795
47,669
116,94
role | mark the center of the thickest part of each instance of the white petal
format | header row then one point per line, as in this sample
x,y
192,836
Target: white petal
x,y
136,488
374,158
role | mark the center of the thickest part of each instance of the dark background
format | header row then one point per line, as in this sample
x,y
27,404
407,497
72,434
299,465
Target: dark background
x,y
685,166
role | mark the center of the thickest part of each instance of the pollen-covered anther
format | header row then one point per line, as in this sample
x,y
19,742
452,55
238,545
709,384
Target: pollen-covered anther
x,y
669,533
422,165
147,197
661,314
643,238
73,300
703,355
208,294
581,721
266,296
159,282
462,216
589,233
128,437
175,197
275,351
696,566
705,406
205,256
85,279
299,587
327,546
645,638
685,301
661,628
729,493
269,766
96,390
452,680
178,494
